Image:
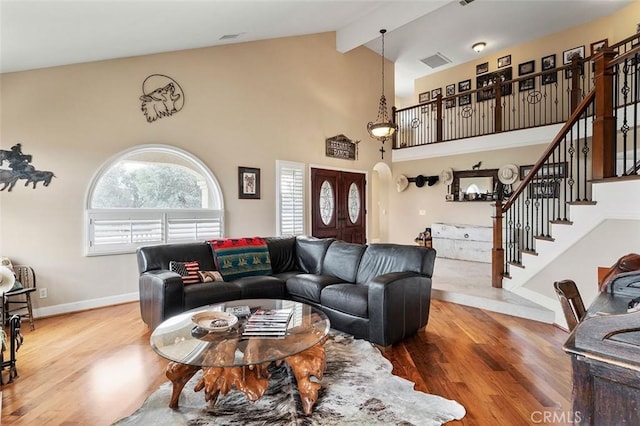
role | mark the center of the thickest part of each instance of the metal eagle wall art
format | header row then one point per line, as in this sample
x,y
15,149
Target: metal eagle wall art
x,y
20,167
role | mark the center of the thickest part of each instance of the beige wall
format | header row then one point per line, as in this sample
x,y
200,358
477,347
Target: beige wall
x,y
614,27
246,104
405,206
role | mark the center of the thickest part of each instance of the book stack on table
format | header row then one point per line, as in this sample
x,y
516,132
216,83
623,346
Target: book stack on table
x,y
268,323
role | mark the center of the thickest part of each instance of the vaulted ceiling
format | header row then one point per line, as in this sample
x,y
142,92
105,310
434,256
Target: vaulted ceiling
x,y
37,34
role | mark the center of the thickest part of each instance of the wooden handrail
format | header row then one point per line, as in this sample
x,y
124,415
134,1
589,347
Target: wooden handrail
x,y
573,119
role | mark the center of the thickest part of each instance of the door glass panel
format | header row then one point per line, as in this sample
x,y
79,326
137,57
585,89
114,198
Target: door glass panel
x,y
354,202
327,203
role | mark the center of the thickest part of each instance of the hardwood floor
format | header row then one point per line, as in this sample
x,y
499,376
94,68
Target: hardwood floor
x,y
95,367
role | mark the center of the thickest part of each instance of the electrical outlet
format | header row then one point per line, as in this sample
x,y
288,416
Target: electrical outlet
x,y
43,293
422,212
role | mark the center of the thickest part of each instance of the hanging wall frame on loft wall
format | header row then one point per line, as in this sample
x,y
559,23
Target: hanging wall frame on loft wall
x,y
161,97
20,167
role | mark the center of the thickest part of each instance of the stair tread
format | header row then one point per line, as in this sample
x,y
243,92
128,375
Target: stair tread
x,y
543,237
582,203
561,222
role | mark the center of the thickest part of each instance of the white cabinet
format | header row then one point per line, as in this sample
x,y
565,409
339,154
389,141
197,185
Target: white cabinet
x,y
463,242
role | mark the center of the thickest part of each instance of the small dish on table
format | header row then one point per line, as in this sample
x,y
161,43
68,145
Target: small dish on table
x,y
214,321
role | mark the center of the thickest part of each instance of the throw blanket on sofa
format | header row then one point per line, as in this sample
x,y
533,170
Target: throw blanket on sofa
x,y
241,257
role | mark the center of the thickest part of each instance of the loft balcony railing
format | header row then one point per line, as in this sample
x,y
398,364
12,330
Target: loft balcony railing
x,y
538,99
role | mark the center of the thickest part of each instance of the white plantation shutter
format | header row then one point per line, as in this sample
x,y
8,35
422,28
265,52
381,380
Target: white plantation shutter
x,y
187,206
124,230
290,196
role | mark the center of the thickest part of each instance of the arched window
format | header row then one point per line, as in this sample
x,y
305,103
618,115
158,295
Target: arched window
x,y
152,194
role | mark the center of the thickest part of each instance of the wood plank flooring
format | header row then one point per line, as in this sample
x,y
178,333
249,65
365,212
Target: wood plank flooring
x,y
94,367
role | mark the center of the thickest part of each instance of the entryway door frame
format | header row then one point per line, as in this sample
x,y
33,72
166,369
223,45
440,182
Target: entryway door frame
x,y
309,200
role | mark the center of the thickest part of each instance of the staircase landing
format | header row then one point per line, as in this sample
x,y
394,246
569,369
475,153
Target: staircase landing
x,y
469,283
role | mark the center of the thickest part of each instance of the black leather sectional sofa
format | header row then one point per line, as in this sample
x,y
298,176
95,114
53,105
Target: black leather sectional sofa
x,y
378,292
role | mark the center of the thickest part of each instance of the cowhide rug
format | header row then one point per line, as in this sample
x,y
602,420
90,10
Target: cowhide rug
x,y
357,389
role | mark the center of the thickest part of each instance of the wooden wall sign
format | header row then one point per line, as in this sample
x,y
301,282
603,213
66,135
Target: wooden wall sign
x,y
340,146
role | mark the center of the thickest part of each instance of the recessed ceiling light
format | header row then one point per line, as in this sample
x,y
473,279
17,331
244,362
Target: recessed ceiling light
x,y
479,47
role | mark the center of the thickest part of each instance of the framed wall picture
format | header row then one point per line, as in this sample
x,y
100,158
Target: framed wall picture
x,y
568,54
248,183
544,189
488,80
552,170
465,85
549,78
526,67
597,45
450,103
548,62
451,90
424,97
464,100
482,68
528,84
504,61
436,92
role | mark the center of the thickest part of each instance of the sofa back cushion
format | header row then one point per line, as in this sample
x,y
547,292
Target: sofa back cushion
x,y
282,251
380,259
342,260
158,257
241,257
310,252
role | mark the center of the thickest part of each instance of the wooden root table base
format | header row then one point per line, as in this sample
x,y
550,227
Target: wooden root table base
x,y
252,380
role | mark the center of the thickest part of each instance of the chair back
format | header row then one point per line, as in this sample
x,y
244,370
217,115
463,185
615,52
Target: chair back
x,y
25,275
571,302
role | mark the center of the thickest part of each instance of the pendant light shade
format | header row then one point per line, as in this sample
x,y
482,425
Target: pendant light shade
x,y
383,128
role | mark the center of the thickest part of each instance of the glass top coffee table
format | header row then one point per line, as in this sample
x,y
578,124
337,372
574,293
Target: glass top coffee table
x,y
229,358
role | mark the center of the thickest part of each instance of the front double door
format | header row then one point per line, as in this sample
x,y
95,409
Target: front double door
x,y
338,205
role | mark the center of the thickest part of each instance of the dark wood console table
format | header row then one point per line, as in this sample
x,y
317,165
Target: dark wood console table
x,y
605,357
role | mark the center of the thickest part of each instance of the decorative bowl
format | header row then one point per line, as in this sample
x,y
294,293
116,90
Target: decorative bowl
x,y
214,320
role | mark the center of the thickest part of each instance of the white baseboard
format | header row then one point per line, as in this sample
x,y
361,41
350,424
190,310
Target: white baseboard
x,y
83,305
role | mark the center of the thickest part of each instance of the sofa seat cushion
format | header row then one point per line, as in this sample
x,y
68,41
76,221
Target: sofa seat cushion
x,y
309,286
348,298
201,294
260,287
284,276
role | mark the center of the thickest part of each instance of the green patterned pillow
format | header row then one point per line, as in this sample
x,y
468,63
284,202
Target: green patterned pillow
x,y
241,257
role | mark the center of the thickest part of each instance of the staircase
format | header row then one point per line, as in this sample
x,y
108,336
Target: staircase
x,y
588,175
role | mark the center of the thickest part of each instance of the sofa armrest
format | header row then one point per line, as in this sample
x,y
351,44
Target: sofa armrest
x,y
161,296
398,306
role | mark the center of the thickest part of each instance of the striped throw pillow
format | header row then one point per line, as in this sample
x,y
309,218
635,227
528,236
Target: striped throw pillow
x,y
187,270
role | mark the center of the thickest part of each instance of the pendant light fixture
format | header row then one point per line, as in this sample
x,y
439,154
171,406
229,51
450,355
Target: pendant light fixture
x,y
383,128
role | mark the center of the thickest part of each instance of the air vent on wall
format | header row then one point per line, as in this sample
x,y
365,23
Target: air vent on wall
x,y
436,60
230,36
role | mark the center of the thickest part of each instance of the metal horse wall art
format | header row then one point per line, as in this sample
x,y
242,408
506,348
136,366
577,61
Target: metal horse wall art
x,y
20,167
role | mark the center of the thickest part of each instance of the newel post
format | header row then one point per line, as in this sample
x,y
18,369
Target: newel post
x,y
439,118
497,111
497,252
394,137
575,92
604,122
